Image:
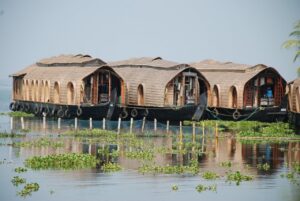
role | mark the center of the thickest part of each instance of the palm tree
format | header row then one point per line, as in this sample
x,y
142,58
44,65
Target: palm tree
x,y
294,42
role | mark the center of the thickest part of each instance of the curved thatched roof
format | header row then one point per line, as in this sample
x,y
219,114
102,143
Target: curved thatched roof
x,y
152,73
224,75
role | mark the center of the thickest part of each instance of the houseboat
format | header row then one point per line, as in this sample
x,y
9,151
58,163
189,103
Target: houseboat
x,y
244,92
293,91
161,89
68,86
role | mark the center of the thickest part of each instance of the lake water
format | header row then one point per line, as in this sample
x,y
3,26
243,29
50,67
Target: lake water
x,y
129,184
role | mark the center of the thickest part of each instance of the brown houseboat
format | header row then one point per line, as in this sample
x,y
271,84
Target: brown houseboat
x,y
293,91
68,86
162,89
244,92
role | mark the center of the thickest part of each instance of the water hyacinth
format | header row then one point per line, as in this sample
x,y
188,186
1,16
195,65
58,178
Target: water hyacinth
x,y
16,180
20,170
42,142
62,161
238,177
28,189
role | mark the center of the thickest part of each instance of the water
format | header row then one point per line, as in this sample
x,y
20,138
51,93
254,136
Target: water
x,y
130,185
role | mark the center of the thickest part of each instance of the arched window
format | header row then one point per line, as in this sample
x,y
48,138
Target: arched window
x,y
232,97
56,93
47,92
140,97
297,99
70,94
32,89
215,97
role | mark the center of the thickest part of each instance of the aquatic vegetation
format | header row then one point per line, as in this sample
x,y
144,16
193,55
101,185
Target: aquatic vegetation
x,y
106,153
227,164
111,167
175,188
61,161
238,177
11,135
28,189
192,168
91,133
265,167
200,188
296,167
41,142
141,154
19,114
16,181
210,175
20,170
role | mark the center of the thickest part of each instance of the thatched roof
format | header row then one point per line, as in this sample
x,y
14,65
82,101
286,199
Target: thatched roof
x,y
152,73
227,74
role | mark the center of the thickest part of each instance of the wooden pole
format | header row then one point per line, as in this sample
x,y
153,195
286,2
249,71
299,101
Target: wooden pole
x,y
131,124
203,132
91,123
11,123
216,131
119,125
103,124
22,123
180,132
58,123
44,121
155,125
76,123
168,126
143,124
194,132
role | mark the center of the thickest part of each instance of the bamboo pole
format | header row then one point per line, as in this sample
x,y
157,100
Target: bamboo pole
x,y
91,123
44,121
119,125
103,124
203,132
143,124
76,123
131,124
180,132
168,126
194,132
58,123
155,125
22,123
216,131
11,123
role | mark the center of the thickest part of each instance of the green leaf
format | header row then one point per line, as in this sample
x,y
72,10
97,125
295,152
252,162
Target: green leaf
x,y
291,43
297,55
295,33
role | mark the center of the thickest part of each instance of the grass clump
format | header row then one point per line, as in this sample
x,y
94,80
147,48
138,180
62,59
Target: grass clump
x,y
16,180
28,189
210,175
61,161
200,188
238,177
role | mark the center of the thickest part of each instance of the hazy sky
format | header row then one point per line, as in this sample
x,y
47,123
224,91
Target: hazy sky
x,y
241,31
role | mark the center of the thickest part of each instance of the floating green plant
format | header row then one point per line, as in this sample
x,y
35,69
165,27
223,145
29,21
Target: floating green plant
x,y
19,114
111,167
141,155
28,189
11,135
238,177
20,169
41,142
61,161
265,167
227,164
175,188
210,175
200,188
16,181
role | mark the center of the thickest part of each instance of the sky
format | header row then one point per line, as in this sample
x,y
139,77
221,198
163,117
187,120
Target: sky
x,y
248,32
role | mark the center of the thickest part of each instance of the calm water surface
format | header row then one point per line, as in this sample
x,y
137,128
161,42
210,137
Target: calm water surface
x,y
130,185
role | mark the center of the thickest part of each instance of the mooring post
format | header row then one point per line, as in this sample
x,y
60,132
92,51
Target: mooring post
x,y
203,131
119,125
76,123
143,124
131,124
91,123
155,125
44,121
22,123
58,123
103,124
194,132
11,123
216,131
168,126
180,132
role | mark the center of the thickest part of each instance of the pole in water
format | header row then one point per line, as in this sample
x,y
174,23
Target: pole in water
x,y
76,123
44,120
103,125
91,123
180,132
119,125
155,125
131,124
11,123
194,132
203,130
22,123
58,123
143,124
216,131
168,126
